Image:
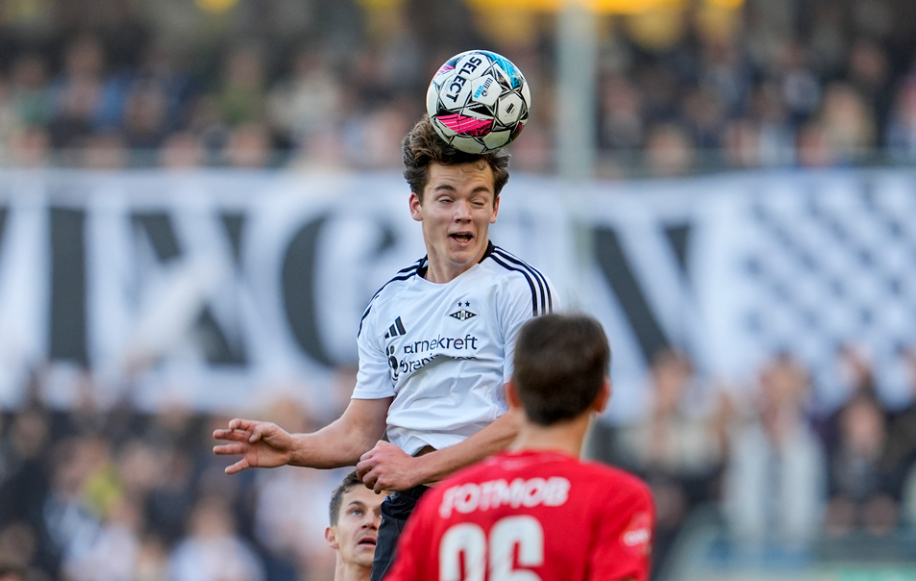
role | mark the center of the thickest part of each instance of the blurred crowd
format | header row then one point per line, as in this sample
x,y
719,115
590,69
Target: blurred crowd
x,y
336,83
783,469
102,492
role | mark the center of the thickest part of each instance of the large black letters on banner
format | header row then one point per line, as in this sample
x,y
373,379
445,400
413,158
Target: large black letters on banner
x,y
158,227
67,340
299,292
616,269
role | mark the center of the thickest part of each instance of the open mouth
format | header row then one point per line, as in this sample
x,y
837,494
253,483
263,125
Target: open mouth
x,y
462,237
367,541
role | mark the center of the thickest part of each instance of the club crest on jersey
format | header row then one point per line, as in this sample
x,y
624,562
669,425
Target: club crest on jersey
x,y
463,314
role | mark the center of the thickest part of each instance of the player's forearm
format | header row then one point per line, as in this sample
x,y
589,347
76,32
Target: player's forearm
x,y
344,440
493,438
333,446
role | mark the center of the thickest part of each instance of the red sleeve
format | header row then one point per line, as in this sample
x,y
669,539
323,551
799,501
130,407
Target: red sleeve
x,y
624,544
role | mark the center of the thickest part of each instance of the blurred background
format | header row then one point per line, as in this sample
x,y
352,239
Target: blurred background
x,y
198,198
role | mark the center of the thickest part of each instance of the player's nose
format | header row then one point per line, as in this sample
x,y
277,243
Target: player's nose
x,y
462,211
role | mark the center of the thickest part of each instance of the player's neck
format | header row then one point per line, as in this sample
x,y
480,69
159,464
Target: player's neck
x,y
350,572
442,273
567,437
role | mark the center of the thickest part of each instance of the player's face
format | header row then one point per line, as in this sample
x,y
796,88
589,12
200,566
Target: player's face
x,y
356,532
459,204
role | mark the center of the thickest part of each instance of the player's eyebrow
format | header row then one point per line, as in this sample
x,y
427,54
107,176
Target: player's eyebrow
x,y
356,504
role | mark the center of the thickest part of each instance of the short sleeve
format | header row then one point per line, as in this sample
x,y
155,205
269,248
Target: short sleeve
x,y
521,303
623,547
373,380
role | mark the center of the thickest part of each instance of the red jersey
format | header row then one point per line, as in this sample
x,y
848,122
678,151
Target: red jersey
x,y
529,516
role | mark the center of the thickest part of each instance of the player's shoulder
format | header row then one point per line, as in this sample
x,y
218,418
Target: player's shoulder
x,y
618,481
393,287
505,263
403,276
520,278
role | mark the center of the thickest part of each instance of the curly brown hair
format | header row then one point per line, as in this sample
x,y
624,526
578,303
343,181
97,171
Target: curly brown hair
x,y
423,146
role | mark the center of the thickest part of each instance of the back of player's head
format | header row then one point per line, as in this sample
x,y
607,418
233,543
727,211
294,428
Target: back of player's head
x,y
561,362
349,481
423,146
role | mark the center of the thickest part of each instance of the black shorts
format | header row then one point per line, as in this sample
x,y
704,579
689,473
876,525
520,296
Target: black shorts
x,y
395,510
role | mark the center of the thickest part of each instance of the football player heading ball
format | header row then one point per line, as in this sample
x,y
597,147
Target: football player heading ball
x,y
435,347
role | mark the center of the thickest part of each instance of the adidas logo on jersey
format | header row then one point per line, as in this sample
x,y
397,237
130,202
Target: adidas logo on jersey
x,y
463,314
396,329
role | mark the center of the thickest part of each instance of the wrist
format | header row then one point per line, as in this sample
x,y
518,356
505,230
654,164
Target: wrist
x,y
295,456
424,468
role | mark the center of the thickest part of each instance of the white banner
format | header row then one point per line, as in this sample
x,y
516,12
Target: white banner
x,y
218,289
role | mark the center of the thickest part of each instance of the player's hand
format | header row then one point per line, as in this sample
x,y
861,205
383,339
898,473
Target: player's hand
x,y
260,444
387,467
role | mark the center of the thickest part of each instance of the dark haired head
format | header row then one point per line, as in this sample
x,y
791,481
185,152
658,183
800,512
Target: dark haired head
x,y
349,481
561,363
423,146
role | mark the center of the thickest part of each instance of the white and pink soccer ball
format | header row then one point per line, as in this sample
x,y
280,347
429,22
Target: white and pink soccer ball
x,y
478,101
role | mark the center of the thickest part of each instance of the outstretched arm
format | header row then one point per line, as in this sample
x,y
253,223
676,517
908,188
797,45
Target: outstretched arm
x,y
340,443
387,467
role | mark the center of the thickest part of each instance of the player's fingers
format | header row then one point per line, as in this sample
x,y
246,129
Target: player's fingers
x,y
258,433
235,435
364,459
366,462
242,424
237,467
369,477
227,449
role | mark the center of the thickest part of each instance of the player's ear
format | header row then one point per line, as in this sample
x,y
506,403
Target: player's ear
x,y
415,207
512,395
495,210
330,535
604,395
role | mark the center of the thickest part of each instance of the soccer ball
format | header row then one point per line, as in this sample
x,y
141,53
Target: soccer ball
x,y
478,101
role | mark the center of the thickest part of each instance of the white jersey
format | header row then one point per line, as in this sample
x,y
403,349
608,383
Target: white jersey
x,y
444,351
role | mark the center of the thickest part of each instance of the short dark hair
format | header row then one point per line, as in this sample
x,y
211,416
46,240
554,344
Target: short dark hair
x,y
349,481
561,362
423,146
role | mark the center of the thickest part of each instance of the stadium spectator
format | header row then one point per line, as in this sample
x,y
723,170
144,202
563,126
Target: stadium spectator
x,y
213,550
901,444
862,481
675,448
776,479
